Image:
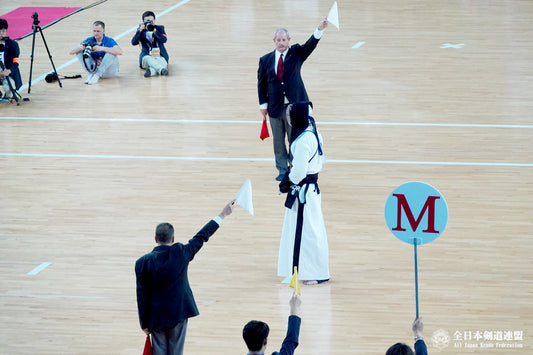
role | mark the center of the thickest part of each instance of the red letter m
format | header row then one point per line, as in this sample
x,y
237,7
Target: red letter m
x,y
429,206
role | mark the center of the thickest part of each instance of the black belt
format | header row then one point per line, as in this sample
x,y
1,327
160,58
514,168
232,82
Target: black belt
x,y
311,179
308,180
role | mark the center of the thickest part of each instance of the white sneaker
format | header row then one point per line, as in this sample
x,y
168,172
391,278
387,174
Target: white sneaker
x,y
89,77
94,79
7,94
7,90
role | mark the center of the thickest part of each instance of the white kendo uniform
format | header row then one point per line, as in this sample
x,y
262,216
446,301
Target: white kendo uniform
x,y
313,262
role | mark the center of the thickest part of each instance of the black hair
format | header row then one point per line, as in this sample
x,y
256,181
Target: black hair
x,y
400,349
164,233
99,23
146,14
254,334
3,24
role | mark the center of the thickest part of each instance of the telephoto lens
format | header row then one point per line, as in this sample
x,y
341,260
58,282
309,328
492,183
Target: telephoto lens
x,y
149,25
87,51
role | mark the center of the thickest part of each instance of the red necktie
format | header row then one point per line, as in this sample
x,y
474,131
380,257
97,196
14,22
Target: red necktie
x,y
280,67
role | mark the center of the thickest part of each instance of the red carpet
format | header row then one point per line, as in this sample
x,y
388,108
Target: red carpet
x,y
20,20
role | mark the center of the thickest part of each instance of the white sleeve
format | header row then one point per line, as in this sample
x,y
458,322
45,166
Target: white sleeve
x,y
301,153
318,33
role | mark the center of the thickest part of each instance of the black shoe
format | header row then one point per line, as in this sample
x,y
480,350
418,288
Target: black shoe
x,y
164,71
280,177
147,73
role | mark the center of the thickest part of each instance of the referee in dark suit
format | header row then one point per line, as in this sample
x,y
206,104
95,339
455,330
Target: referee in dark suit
x,y
279,83
164,297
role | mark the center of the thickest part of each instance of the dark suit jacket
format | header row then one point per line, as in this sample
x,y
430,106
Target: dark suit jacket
x,y
291,339
159,40
271,90
420,348
164,297
11,61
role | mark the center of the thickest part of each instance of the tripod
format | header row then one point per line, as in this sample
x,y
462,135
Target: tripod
x,y
36,28
14,94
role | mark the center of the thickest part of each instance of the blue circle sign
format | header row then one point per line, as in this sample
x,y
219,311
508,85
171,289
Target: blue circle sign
x,y
416,210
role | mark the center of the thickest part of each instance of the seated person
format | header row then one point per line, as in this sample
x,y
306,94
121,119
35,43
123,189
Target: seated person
x,y
152,38
9,63
98,55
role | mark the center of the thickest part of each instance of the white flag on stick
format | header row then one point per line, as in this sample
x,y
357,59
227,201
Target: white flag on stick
x,y
333,16
244,197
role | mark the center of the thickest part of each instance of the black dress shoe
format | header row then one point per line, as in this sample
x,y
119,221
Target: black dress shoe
x,y
280,177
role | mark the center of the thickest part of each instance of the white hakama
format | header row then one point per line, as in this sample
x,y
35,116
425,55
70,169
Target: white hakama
x,y
313,262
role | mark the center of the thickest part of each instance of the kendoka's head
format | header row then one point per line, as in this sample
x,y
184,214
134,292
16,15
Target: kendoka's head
x,y
298,115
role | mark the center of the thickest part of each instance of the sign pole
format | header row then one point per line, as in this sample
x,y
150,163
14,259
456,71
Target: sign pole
x,y
416,277
416,213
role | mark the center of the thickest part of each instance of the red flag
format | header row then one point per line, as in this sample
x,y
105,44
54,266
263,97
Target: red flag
x,y
147,346
264,130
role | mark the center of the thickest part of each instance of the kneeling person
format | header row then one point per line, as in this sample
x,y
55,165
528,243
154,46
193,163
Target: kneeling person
x,y
98,55
10,79
152,38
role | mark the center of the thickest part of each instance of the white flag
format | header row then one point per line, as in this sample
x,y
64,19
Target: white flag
x,y
244,197
333,16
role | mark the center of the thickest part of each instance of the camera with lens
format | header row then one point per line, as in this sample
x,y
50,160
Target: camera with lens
x,y
35,17
88,49
149,25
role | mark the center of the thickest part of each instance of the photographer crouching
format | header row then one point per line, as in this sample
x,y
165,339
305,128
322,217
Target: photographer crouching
x,y
98,55
152,37
9,63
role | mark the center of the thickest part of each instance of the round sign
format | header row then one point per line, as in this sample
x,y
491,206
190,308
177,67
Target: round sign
x,y
416,211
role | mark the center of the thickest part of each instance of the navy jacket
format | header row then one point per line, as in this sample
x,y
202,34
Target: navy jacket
x,y
11,61
291,339
164,297
420,348
159,40
271,90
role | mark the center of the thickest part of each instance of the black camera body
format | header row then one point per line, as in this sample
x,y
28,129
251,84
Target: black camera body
x,y
35,17
88,49
149,25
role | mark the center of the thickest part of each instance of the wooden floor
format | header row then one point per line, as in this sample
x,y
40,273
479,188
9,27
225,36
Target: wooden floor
x,y
439,92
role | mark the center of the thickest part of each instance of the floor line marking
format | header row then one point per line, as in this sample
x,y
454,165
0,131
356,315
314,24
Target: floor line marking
x,y
339,161
39,268
144,120
450,45
53,296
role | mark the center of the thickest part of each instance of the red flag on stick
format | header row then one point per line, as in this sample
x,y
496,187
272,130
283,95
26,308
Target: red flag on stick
x,y
147,346
264,130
